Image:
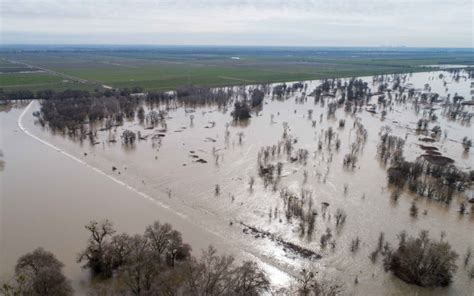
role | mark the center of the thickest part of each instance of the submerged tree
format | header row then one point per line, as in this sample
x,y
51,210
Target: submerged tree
x,y
257,97
219,275
2,162
38,273
129,137
422,261
466,144
241,110
167,242
159,263
95,254
309,285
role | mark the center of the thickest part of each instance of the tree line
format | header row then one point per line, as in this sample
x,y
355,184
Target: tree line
x,y
68,110
158,262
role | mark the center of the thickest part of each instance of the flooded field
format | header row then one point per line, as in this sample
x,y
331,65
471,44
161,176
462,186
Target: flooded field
x,y
293,186
47,198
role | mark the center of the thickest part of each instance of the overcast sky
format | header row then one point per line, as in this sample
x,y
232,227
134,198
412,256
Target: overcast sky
x,y
421,23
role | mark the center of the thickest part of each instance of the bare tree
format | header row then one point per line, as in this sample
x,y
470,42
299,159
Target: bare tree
x,y
95,252
164,241
218,275
308,285
211,275
250,280
139,270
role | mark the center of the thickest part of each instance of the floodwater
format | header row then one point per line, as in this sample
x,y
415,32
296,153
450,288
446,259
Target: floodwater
x,y
47,196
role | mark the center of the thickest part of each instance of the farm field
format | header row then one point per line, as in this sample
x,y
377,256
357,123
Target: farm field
x,y
28,79
166,68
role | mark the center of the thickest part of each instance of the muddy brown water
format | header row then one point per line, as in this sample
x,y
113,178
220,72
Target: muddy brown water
x,y
47,196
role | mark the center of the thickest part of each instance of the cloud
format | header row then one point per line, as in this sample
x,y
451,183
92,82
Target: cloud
x,y
314,22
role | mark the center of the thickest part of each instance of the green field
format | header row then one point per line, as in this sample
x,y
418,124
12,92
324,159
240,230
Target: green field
x,y
28,79
169,68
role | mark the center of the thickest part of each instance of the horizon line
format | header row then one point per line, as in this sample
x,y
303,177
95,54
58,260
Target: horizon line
x,y
228,45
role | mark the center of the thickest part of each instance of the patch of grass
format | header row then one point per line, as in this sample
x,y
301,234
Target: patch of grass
x,y
28,79
59,86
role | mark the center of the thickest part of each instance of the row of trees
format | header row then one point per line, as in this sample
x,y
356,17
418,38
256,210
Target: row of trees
x,y
160,263
430,175
49,94
69,109
154,263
